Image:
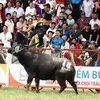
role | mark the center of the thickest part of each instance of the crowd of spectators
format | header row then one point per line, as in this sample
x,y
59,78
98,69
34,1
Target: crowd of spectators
x,y
72,24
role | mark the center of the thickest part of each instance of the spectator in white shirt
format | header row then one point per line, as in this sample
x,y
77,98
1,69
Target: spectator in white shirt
x,y
19,10
94,21
30,11
58,7
88,6
9,23
9,9
6,37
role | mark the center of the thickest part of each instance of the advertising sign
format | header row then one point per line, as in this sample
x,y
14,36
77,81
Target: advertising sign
x,y
86,77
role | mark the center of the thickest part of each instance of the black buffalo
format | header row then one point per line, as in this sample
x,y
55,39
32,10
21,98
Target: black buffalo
x,y
44,67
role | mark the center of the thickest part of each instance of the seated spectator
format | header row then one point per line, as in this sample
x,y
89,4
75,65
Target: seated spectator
x,y
86,32
82,21
72,54
67,44
84,55
75,31
52,28
69,9
70,21
84,43
61,20
95,34
92,55
65,31
9,9
94,21
18,9
30,11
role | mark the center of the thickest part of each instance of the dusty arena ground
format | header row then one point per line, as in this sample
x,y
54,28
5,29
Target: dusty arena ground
x,y
16,93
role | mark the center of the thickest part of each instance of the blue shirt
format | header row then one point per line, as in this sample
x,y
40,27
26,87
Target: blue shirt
x,y
57,43
66,32
75,1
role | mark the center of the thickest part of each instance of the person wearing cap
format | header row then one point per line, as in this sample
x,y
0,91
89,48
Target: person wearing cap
x,y
82,21
92,54
84,43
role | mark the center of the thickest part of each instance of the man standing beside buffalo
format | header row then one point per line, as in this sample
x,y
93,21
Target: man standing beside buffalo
x,y
57,43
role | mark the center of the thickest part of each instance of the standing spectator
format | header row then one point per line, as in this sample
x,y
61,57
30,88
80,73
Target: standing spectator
x,y
38,6
47,14
30,11
76,9
94,20
18,9
19,28
10,24
52,3
58,7
15,20
82,21
6,37
62,1
9,9
2,16
4,2
57,43
88,6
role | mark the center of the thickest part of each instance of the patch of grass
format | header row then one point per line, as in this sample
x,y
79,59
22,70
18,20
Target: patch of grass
x,y
15,93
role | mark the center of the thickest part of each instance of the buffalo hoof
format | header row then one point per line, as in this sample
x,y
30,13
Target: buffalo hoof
x,y
0,86
37,91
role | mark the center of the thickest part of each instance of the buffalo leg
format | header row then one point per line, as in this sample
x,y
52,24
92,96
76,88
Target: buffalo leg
x,y
29,81
62,84
37,84
74,86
